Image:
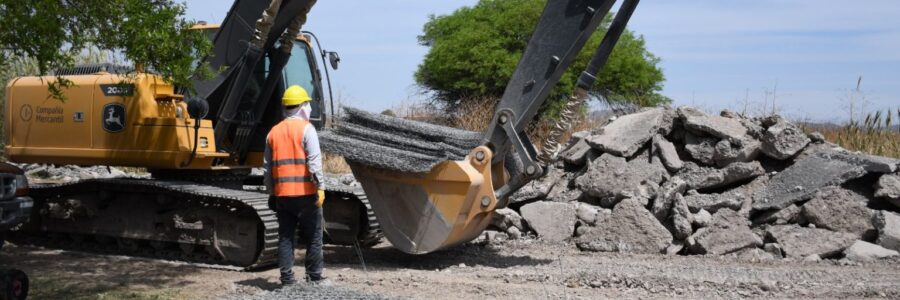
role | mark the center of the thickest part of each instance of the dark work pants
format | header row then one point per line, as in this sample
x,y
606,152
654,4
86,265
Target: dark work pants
x,y
302,211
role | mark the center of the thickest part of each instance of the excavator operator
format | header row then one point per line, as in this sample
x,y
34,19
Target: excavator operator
x,y
293,176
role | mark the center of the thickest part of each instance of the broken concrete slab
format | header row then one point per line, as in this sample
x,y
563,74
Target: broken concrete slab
x,y
713,202
774,249
839,209
800,181
562,193
667,153
865,251
800,242
870,163
506,218
630,229
680,218
727,152
611,178
701,149
728,232
888,225
721,127
588,213
701,219
752,255
395,143
700,178
782,216
577,153
540,188
628,134
662,205
552,221
888,187
783,140
675,248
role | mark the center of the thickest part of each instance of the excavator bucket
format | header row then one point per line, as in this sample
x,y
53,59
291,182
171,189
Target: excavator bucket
x,y
421,213
432,187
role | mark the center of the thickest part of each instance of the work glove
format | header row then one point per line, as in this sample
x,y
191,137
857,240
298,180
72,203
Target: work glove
x,y
321,199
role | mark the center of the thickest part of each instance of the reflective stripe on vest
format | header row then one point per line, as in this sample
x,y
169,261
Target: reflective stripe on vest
x,y
290,174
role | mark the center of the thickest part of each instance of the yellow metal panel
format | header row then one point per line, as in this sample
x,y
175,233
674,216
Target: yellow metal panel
x,y
102,122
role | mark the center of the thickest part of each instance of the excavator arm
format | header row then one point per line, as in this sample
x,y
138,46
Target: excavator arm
x,y
433,187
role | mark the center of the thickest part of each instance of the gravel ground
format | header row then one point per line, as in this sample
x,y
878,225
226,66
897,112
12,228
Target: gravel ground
x,y
524,269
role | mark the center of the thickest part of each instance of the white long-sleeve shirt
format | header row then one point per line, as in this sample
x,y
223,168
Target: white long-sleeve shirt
x,y
313,158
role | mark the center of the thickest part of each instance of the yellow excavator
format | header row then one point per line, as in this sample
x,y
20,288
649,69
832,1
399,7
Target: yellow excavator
x,y
200,145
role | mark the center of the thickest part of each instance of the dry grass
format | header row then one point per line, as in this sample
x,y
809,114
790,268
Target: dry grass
x,y
335,164
476,114
877,135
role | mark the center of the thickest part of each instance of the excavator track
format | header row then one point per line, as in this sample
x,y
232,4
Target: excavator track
x,y
175,220
368,231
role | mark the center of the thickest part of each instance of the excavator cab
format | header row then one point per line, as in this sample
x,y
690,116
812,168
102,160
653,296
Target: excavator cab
x,y
302,69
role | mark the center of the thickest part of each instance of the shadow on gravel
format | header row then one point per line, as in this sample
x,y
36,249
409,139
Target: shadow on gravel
x,y
472,254
57,274
260,283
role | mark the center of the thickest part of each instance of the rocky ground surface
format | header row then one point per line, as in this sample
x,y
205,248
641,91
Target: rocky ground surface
x,y
519,269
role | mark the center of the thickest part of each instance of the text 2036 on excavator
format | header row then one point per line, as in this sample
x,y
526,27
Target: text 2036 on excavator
x,y
430,187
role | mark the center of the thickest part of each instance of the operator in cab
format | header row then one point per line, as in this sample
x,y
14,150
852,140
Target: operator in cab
x,y
293,176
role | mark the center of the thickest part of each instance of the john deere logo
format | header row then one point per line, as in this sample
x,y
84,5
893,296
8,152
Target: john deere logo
x,y
113,117
25,112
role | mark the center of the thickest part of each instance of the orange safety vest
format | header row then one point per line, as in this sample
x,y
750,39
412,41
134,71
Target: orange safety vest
x,y
290,173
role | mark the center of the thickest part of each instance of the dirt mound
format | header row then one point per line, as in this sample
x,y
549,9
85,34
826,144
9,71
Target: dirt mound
x,y
716,184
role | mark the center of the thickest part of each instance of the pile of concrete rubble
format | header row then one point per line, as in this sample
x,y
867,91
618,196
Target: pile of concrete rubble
x,y
685,182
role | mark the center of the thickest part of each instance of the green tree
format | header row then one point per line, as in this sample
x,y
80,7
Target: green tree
x,y
53,33
474,51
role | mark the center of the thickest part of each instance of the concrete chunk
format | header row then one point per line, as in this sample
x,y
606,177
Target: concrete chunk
x,y
727,152
506,218
799,242
699,178
721,127
667,153
577,153
664,199
540,188
870,163
552,221
783,140
800,181
611,178
840,210
701,149
588,213
680,218
888,187
864,251
630,229
628,134
727,232
753,255
888,225
701,219
712,202
782,216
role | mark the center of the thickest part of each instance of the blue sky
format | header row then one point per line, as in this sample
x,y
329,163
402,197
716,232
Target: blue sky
x,y
715,54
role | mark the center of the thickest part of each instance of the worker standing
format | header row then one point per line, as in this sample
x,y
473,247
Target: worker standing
x,y
293,175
